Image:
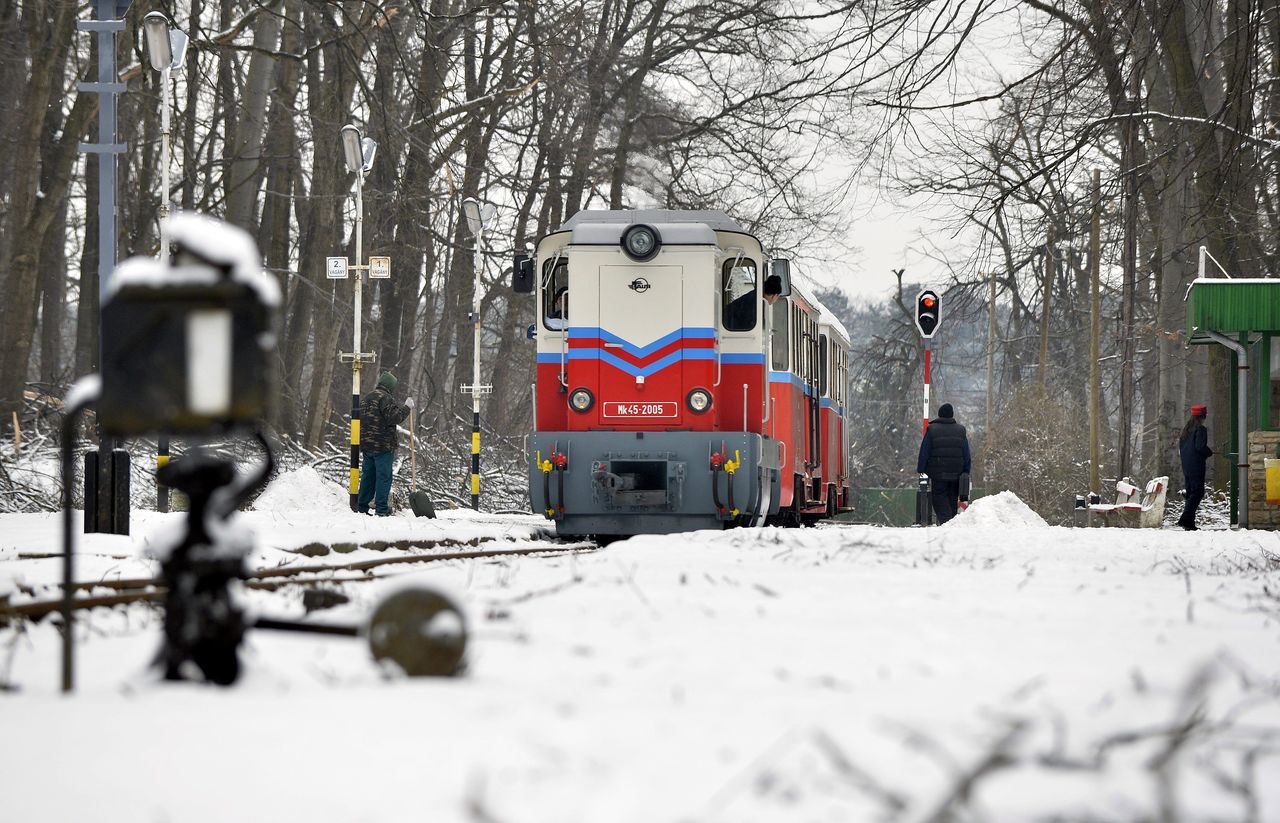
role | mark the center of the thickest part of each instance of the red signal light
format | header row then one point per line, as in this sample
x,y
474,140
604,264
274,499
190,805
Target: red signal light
x,y
928,302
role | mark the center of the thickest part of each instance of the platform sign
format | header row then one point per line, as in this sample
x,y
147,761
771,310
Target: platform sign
x,y
336,268
379,268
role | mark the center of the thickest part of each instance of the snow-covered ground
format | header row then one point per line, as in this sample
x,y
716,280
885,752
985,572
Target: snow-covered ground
x,y
998,668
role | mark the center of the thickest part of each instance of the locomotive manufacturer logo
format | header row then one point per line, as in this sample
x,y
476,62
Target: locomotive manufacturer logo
x,y
639,285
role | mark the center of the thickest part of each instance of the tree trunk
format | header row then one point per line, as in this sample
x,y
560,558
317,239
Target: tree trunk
x,y
331,87
87,304
245,172
188,122
29,215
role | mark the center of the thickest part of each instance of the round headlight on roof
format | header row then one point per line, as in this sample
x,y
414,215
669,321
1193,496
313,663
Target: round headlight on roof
x,y
581,400
699,400
641,242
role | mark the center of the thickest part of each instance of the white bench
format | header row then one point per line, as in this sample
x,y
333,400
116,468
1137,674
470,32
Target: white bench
x,y
1128,510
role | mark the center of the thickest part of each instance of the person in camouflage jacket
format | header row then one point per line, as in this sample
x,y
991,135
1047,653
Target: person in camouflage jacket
x,y
379,416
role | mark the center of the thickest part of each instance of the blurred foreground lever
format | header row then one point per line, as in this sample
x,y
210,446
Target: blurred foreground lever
x,y
419,630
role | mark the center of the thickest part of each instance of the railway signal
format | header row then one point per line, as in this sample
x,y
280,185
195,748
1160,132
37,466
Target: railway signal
x,y
928,312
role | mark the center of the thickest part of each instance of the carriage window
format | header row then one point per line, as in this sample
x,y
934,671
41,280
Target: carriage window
x,y
738,294
555,294
842,375
797,338
822,365
781,331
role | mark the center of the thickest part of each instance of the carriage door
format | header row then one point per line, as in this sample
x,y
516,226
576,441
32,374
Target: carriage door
x,y
641,345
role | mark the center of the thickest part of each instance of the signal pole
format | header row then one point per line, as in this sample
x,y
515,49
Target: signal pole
x,y
928,313
358,154
928,350
475,224
1095,323
106,493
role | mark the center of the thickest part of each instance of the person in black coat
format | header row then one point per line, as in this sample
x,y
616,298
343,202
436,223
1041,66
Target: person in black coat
x,y
379,416
1193,445
944,456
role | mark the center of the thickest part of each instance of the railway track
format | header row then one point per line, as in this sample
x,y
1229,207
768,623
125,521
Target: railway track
x,y
150,589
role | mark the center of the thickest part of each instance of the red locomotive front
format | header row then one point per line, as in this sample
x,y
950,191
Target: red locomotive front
x,y
651,409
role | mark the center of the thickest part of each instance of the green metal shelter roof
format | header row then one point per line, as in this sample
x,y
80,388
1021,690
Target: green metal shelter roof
x,y
1231,306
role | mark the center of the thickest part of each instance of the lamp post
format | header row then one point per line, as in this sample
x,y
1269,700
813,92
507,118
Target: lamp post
x,y
166,48
358,153
475,224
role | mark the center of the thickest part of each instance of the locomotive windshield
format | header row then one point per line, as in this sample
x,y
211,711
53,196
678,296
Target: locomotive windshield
x,y
739,295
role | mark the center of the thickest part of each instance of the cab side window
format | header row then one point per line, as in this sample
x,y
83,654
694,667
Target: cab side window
x,y
797,341
781,333
738,294
555,294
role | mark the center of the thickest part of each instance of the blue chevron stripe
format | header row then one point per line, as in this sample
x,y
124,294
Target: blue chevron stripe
x,y
594,332
623,365
657,365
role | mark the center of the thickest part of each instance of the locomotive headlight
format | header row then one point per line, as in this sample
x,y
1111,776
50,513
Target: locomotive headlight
x,y
641,242
581,400
699,400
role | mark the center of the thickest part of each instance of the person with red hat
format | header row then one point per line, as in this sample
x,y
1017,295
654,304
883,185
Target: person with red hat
x,y
1193,444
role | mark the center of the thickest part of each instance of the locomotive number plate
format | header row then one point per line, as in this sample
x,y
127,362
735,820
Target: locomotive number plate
x,y
663,409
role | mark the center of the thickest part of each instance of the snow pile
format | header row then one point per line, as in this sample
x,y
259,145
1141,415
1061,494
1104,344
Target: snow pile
x,y
998,510
302,490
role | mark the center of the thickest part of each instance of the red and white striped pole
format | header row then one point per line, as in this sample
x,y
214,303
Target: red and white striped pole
x,y
927,352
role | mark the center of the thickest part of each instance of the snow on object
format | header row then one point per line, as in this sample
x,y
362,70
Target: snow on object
x,y
85,390
825,315
301,490
997,510
147,271
220,243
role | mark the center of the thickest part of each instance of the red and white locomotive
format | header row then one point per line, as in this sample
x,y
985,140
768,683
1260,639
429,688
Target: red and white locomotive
x,y
683,382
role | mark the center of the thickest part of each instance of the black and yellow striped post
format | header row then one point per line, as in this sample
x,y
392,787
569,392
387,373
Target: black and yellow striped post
x,y
162,460
475,460
354,478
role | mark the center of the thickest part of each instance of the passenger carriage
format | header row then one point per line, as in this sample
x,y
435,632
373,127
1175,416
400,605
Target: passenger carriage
x,y
670,393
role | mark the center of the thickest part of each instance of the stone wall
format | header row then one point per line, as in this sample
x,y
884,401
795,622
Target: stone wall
x,y
1261,515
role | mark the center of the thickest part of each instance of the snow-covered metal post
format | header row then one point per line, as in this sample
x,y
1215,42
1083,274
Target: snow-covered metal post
x,y
475,224
358,154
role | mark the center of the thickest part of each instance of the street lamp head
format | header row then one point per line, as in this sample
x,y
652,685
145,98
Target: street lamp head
x,y
159,49
352,151
475,223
